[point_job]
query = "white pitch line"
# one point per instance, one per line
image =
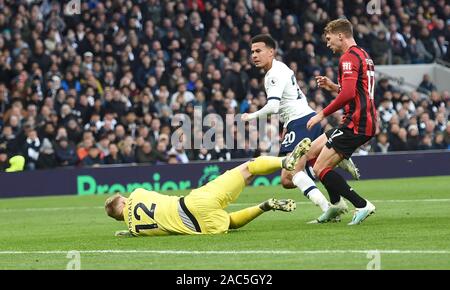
(31, 209)
(249, 252)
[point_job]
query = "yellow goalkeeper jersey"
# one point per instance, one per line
(148, 213)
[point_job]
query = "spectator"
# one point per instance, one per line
(69, 82)
(114, 157)
(162, 107)
(47, 158)
(65, 153)
(32, 149)
(144, 153)
(382, 145)
(426, 86)
(186, 96)
(426, 143)
(427, 45)
(435, 107)
(93, 159)
(413, 138)
(161, 152)
(386, 111)
(84, 146)
(103, 146)
(416, 51)
(379, 48)
(397, 43)
(439, 142)
(154, 130)
(236, 80)
(8, 139)
(398, 138)
(128, 154)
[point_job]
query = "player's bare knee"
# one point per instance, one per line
(317, 169)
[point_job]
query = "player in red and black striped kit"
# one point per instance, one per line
(355, 96)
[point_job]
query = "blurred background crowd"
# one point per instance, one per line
(102, 86)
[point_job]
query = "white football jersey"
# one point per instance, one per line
(280, 84)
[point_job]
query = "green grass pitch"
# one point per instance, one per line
(411, 230)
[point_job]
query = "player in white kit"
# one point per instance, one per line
(285, 97)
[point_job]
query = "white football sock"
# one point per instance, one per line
(309, 189)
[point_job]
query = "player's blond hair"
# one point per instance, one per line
(340, 25)
(111, 207)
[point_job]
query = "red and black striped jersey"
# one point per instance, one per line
(356, 68)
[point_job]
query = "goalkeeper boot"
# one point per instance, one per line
(300, 149)
(280, 204)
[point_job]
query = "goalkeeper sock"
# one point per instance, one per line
(241, 218)
(309, 189)
(265, 165)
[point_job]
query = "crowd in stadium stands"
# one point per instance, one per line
(101, 87)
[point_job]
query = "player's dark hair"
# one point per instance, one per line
(266, 38)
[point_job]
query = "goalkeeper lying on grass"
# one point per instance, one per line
(148, 213)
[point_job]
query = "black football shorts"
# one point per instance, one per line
(345, 141)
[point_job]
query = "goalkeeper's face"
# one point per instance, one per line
(262, 55)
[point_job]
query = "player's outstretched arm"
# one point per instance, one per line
(272, 107)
